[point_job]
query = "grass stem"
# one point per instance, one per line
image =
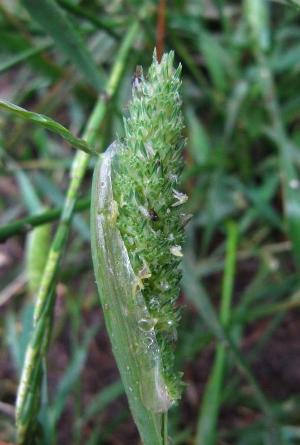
(27, 404)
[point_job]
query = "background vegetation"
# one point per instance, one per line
(238, 343)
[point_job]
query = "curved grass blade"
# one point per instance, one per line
(56, 23)
(48, 123)
(23, 55)
(135, 350)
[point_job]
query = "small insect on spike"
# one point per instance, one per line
(153, 215)
(138, 77)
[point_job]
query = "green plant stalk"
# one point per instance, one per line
(28, 392)
(28, 223)
(137, 229)
(206, 429)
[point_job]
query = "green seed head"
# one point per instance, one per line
(150, 218)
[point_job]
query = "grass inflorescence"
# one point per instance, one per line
(150, 216)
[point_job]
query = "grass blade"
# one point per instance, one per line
(101, 401)
(48, 123)
(206, 432)
(23, 55)
(53, 194)
(72, 373)
(55, 22)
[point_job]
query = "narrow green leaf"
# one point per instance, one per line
(291, 187)
(23, 55)
(106, 24)
(101, 401)
(257, 13)
(206, 431)
(27, 191)
(48, 123)
(18, 340)
(234, 104)
(55, 22)
(217, 59)
(199, 141)
(53, 194)
(72, 373)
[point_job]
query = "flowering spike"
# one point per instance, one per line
(137, 237)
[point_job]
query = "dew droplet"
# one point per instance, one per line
(145, 325)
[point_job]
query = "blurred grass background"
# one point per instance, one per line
(241, 83)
